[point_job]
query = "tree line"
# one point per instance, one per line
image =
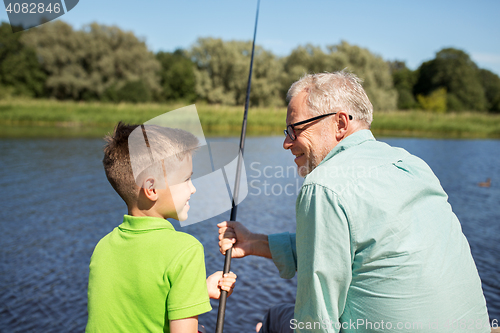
(105, 63)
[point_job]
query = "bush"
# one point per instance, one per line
(435, 101)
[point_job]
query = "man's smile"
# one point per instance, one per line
(297, 155)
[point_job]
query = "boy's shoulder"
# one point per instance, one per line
(185, 240)
(150, 233)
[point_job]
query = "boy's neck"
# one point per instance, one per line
(135, 211)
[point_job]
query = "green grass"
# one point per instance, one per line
(48, 118)
(437, 125)
(42, 118)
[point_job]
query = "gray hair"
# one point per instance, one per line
(333, 92)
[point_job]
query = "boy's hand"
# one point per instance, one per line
(244, 242)
(216, 282)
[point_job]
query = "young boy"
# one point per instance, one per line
(144, 275)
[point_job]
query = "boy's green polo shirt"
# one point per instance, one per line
(143, 274)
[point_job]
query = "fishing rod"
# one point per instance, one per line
(227, 261)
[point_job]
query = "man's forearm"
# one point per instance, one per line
(260, 246)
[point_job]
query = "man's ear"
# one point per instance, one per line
(342, 125)
(149, 188)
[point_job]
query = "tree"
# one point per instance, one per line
(222, 72)
(372, 69)
(377, 79)
(306, 60)
(453, 70)
(177, 76)
(491, 85)
(93, 63)
(404, 79)
(20, 72)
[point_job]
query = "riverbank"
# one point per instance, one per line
(49, 118)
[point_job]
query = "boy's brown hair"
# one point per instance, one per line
(163, 141)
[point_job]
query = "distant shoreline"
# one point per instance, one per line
(31, 118)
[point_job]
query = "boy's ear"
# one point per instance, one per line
(149, 188)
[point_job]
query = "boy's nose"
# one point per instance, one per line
(193, 189)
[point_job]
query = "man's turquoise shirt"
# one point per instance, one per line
(378, 248)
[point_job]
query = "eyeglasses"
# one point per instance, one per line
(290, 128)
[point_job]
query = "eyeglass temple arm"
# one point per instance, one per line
(311, 119)
(315, 118)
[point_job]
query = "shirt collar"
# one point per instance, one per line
(352, 140)
(140, 223)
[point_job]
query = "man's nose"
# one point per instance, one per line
(288, 143)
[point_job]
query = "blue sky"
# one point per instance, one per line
(411, 31)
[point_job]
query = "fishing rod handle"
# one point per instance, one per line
(223, 295)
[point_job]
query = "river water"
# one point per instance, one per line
(55, 205)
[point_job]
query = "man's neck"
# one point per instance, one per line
(355, 127)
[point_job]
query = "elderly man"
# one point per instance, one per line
(377, 246)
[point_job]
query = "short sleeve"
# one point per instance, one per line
(188, 295)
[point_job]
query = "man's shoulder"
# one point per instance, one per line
(354, 164)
